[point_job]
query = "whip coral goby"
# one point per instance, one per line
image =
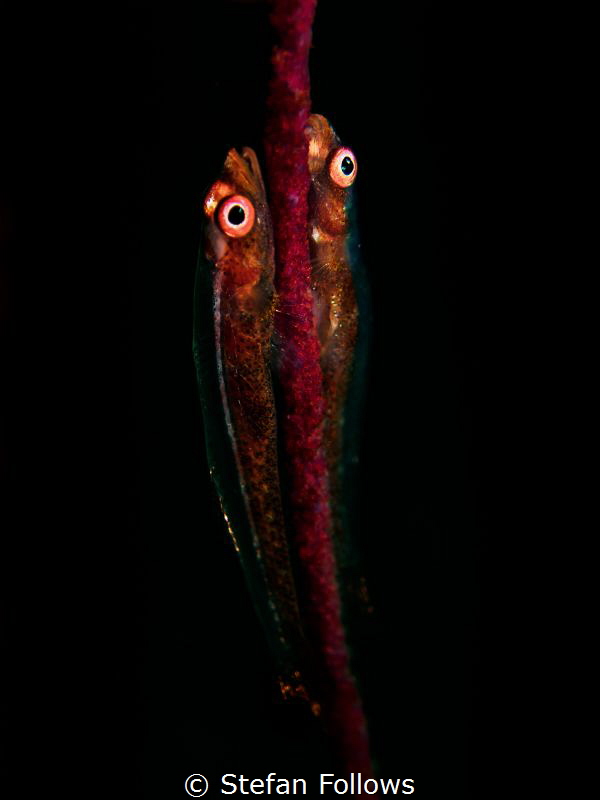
(342, 315)
(233, 323)
(333, 170)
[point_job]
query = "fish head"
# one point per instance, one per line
(332, 169)
(238, 231)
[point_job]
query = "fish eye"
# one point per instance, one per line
(236, 216)
(342, 167)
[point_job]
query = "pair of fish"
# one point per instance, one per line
(235, 307)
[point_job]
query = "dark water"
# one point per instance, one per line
(134, 655)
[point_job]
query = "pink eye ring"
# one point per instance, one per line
(342, 167)
(236, 216)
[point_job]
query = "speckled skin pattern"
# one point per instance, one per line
(335, 304)
(244, 305)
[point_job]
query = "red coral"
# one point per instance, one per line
(300, 373)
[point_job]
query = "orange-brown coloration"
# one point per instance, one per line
(336, 309)
(295, 690)
(244, 304)
(217, 192)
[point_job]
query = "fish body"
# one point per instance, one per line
(233, 328)
(341, 318)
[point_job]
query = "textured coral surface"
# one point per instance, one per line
(301, 376)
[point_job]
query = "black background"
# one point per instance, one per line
(134, 654)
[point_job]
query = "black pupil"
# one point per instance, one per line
(236, 215)
(347, 166)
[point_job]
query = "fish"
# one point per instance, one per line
(234, 308)
(342, 320)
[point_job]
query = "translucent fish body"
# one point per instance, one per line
(233, 327)
(342, 312)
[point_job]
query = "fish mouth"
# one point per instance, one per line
(251, 159)
(321, 139)
(243, 172)
(240, 175)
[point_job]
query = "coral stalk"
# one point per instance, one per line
(301, 379)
